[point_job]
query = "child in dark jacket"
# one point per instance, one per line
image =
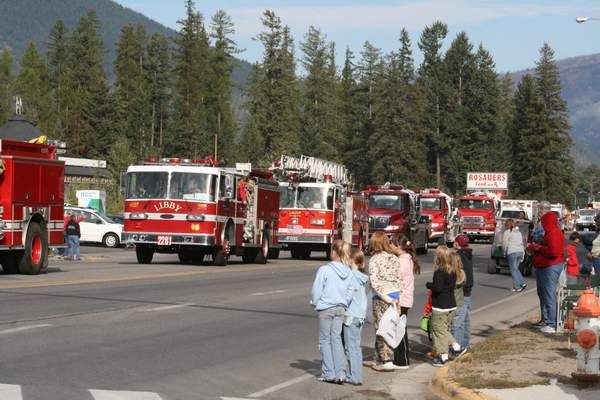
(461, 324)
(444, 306)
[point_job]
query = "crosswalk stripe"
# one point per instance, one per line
(10, 392)
(122, 395)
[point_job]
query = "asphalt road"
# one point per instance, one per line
(107, 328)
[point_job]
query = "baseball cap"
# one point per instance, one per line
(462, 240)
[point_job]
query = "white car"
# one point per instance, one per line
(96, 227)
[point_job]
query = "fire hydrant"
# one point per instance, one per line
(588, 333)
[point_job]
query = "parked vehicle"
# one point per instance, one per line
(196, 208)
(395, 211)
(95, 226)
(561, 211)
(317, 207)
(438, 206)
(585, 219)
(519, 209)
(31, 205)
(477, 212)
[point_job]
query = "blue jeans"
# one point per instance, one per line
(330, 343)
(547, 280)
(596, 265)
(73, 250)
(461, 323)
(352, 338)
(514, 259)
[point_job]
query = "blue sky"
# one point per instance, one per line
(512, 30)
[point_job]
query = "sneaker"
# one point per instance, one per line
(519, 289)
(396, 366)
(515, 290)
(349, 382)
(539, 324)
(438, 362)
(548, 329)
(329, 380)
(386, 367)
(458, 353)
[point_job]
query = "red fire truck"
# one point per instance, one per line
(317, 206)
(438, 205)
(195, 208)
(477, 212)
(31, 205)
(395, 211)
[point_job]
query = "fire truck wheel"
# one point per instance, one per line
(263, 253)
(10, 261)
(305, 253)
(110, 240)
(144, 254)
(295, 252)
(36, 250)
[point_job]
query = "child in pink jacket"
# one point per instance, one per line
(409, 266)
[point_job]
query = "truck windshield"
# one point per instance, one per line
(287, 196)
(386, 201)
(147, 185)
(319, 198)
(192, 186)
(431, 203)
(514, 214)
(476, 204)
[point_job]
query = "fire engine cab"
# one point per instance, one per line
(395, 211)
(317, 206)
(195, 208)
(31, 205)
(438, 205)
(477, 212)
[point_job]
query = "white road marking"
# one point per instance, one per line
(269, 292)
(280, 386)
(10, 392)
(164, 308)
(123, 395)
(501, 301)
(23, 328)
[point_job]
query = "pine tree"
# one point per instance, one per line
(432, 86)
(558, 141)
(272, 98)
(349, 115)
(506, 115)
(529, 164)
(320, 134)
(221, 118)
(33, 86)
(158, 72)
(89, 130)
(396, 149)
(6, 82)
(131, 88)
(58, 59)
(189, 135)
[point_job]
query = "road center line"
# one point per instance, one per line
(10, 392)
(501, 301)
(269, 292)
(23, 328)
(164, 308)
(282, 385)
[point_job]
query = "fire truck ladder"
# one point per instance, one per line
(315, 168)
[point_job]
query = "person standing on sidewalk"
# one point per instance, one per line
(444, 304)
(73, 234)
(548, 261)
(386, 282)
(409, 266)
(332, 292)
(461, 324)
(594, 254)
(514, 249)
(355, 319)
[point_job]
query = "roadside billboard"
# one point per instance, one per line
(487, 181)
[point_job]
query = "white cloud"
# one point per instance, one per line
(413, 15)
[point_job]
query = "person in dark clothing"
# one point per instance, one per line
(461, 323)
(73, 233)
(444, 305)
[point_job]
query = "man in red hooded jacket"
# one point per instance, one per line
(548, 260)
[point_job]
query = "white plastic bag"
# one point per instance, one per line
(392, 326)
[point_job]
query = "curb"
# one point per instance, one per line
(444, 387)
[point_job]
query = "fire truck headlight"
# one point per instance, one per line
(437, 225)
(587, 339)
(315, 221)
(392, 227)
(490, 225)
(138, 215)
(195, 217)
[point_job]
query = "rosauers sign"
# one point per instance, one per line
(487, 180)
